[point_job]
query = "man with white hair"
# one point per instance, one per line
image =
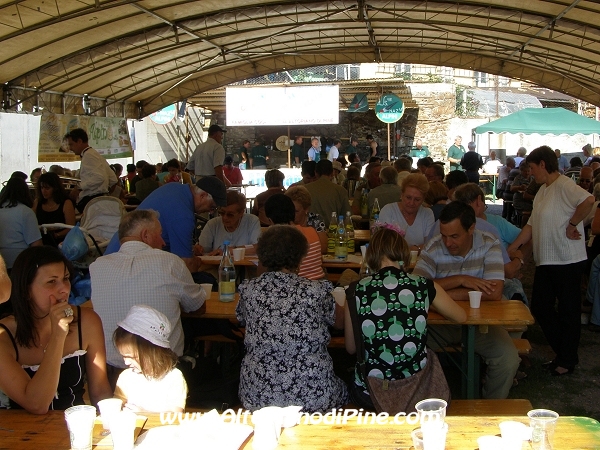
(455, 153)
(471, 162)
(141, 273)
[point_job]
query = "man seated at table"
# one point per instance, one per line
(141, 273)
(233, 225)
(327, 196)
(274, 181)
(461, 259)
(388, 191)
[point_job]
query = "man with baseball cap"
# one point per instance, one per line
(177, 203)
(208, 157)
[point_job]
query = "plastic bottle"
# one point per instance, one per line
(350, 232)
(226, 276)
(364, 204)
(332, 234)
(374, 213)
(341, 245)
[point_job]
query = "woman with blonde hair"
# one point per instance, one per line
(409, 213)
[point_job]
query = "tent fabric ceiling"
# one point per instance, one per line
(156, 52)
(542, 121)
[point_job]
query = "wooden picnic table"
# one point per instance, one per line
(24, 431)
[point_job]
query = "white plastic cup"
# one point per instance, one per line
(267, 427)
(340, 296)
(475, 299)
(108, 408)
(207, 288)
(513, 434)
(122, 430)
(543, 423)
(435, 438)
(414, 254)
(239, 253)
(80, 421)
(417, 439)
(490, 443)
(432, 412)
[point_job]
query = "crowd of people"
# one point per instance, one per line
(132, 343)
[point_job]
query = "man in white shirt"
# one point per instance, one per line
(334, 151)
(141, 273)
(96, 175)
(208, 157)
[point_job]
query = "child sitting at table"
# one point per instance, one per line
(152, 383)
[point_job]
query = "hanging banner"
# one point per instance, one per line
(389, 108)
(108, 135)
(359, 103)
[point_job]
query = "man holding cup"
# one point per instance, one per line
(463, 259)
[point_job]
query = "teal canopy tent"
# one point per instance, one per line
(542, 121)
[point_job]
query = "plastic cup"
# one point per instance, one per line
(542, 423)
(490, 443)
(267, 427)
(340, 296)
(108, 408)
(122, 430)
(239, 253)
(435, 438)
(207, 288)
(414, 254)
(417, 439)
(513, 434)
(432, 412)
(80, 421)
(475, 299)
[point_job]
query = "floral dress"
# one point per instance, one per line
(392, 311)
(286, 361)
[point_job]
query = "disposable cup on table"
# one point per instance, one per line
(207, 288)
(339, 294)
(432, 412)
(122, 430)
(513, 434)
(239, 253)
(490, 443)
(543, 424)
(80, 421)
(417, 439)
(434, 438)
(109, 407)
(267, 427)
(475, 299)
(414, 254)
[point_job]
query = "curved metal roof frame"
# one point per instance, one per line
(156, 52)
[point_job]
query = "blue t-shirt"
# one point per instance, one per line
(175, 205)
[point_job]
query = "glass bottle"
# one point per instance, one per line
(350, 233)
(341, 245)
(374, 213)
(364, 204)
(226, 276)
(332, 234)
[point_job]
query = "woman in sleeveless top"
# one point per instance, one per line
(52, 204)
(47, 348)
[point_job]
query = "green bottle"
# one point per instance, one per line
(332, 234)
(350, 233)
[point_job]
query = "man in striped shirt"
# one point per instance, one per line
(462, 259)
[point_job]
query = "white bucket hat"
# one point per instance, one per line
(148, 323)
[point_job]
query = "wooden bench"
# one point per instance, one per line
(481, 407)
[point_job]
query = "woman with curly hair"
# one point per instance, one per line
(409, 213)
(286, 319)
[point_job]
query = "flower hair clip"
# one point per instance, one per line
(390, 226)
